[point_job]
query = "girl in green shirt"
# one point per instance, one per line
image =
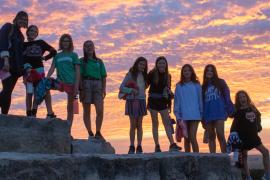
(92, 87)
(67, 65)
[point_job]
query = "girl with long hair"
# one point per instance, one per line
(67, 65)
(134, 85)
(92, 87)
(188, 105)
(247, 123)
(217, 106)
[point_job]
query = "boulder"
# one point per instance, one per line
(92, 146)
(33, 135)
(165, 166)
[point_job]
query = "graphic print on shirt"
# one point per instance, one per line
(33, 51)
(211, 94)
(251, 116)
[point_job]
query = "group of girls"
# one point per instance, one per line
(209, 103)
(85, 76)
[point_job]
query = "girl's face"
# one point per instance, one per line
(32, 33)
(66, 43)
(22, 22)
(89, 47)
(187, 73)
(161, 66)
(141, 66)
(209, 72)
(243, 100)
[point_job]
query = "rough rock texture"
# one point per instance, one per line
(92, 146)
(32, 135)
(165, 166)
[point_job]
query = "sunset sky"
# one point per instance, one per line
(233, 34)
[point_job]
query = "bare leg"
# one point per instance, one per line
(187, 145)
(167, 124)
(132, 130)
(87, 116)
(154, 117)
(244, 157)
(212, 137)
(265, 154)
(28, 101)
(48, 102)
(219, 125)
(99, 115)
(139, 130)
(192, 133)
(70, 109)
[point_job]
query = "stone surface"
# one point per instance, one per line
(92, 146)
(165, 166)
(32, 135)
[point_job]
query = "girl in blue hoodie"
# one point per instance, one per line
(217, 106)
(188, 105)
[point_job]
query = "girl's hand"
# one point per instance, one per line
(104, 94)
(6, 66)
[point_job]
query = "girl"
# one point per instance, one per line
(217, 106)
(188, 105)
(159, 80)
(11, 57)
(134, 84)
(33, 52)
(247, 123)
(93, 87)
(67, 66)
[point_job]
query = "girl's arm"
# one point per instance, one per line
(123, 87)
(51, 70)
(4, 44)
(177, 103)
(235, 124)
(50, 49)
(104, 86)
(228, 102)
(200, 101)
(77, 78)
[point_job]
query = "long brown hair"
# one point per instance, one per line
(19, 15)
(85, 56)
(71, 47)
(215, 80)
(249, 101)
(134, 69)
(194, 77)
(155, 72)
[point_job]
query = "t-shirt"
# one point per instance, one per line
(33, 52)
(65, 66)
(93, 68)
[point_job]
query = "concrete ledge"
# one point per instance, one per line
(166, 166)
(32, 135)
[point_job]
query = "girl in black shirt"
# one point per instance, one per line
(33, 54)
(247, 123)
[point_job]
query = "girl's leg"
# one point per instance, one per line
(167, 124)
(211, 136)
(99, 115)
(219, 125)
(187, 144)
(154, 117)
(132, 130)
(244, 158)
(87, 117)
(139, 130)
(70, 108)
(48, 102)
(29, 104)
(265, 154)
(192, 133)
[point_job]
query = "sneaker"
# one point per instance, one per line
(174, 147)
(157, 148)
(99, 136)
(51, 116)
(90, 135)
(248, 178)
(34, 112)
(139, 150)
(131, 150)
(29, 113)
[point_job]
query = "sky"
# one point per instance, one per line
(234, 35)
